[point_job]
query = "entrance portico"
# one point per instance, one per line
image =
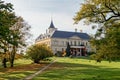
(78, 50)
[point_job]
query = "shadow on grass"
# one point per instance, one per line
(73, 71)
(21, 71)
(15, 75)
(89, 58)
(69, 71)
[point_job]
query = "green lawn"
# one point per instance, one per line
(64, 69)
(21, 69)
(14, 73)
(81, 69)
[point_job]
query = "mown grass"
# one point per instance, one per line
(64, 69)
(81, 69)
(22, 68)
(18, 62)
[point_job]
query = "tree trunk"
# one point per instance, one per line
(4, 63)
(36, 61)
(12, 57)
(12, 63)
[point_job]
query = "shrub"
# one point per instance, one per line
(60, 53)
(39, 52)
(90, 53)
(96, 57)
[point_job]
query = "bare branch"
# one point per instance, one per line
(103, 16)
(110, 8)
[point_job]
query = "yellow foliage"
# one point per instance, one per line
(63, 53)
(7, 55)
(17, 56)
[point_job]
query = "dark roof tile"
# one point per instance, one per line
(65, 34)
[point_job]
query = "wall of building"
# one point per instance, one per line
(46, 41)
(60, 44)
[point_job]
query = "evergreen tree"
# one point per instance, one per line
(68, 52)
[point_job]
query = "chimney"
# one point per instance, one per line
(81, 31)
(75, 29)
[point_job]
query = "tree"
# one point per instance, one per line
(106, 13)
(39, 52)
(109, 49)
(98, 11)
(19, 33)
(68, 52)
(6, 20)
(13, 32)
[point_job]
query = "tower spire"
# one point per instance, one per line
(51, 25)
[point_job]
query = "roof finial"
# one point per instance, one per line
(75, 29)
(51, 17)
(52, 25)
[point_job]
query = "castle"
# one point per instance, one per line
(57, 40)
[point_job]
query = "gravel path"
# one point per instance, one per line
(38, 72)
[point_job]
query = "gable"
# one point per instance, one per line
(75, 37)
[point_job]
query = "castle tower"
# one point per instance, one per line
(52, 27)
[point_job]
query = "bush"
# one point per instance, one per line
(90, 53)
(58, 54)
(96, 57)
(39, 52)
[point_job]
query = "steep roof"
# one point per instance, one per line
(66, 34)
(51, 25)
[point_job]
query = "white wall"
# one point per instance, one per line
(58, 44)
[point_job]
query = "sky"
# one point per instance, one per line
(38, 14)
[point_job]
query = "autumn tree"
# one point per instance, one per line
(19, 33)
(106, 13)
(13, 31)
(6, 20)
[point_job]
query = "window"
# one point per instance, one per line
(62, 42)
(75, 43)
(79, 43)
(82, 43)
(66, 42)
(86, 43)
(55, 42)
(62, 49)
(55, 49)
(71, 42)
